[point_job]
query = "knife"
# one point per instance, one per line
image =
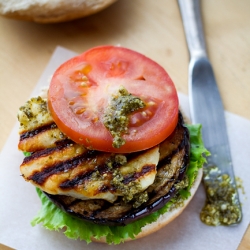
(206, 108)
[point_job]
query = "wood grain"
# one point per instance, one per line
(4, 247)
(154, 29)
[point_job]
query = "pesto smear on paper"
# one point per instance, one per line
(221, 207)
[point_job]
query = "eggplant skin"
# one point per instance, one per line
(174, 159)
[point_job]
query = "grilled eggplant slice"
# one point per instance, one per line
(174, 158)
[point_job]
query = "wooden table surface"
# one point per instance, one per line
(153, 28)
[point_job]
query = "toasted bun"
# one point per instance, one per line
(166, 218)
(51, 11)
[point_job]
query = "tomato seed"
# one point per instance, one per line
(85, 78)
(95, 119)
(80, 111)
(151, 103)
(83, 84)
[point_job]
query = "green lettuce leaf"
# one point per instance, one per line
(54, 218)
(26, 154)
(198, 152)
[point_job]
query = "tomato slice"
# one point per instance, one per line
(81, 89)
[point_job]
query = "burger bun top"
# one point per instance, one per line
(47, 11)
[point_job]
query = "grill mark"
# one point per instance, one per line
(137, 175)
(36, 155)
(103, 169)
(40, 177)
(103, 189)
(133, 155)
(34, 132)
(78, 180)
(64, 142)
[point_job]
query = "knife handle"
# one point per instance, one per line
(191, 16)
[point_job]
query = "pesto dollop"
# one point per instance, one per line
(116, 117)
(179, 199)
(221, 207)
(131, 191)
(31, 111)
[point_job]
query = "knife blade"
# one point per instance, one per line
(206, 108)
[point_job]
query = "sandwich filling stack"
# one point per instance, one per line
(108, 149)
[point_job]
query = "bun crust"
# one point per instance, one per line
(46, 11)
(167, 217)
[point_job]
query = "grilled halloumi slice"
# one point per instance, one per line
(37, 129)
(59, 166)
(70, 169)
(34, 113)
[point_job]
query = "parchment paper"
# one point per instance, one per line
(19, 202)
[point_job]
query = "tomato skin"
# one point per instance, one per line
(81, 87)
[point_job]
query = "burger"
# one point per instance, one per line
(108, 149)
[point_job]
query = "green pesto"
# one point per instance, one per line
(239, 184)
(120, 159)
(96, 176)
(220, 207)
(182, 184)
(116, 117)
(140, 198)
(178, 198)
(130, 191)
(31, 110)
